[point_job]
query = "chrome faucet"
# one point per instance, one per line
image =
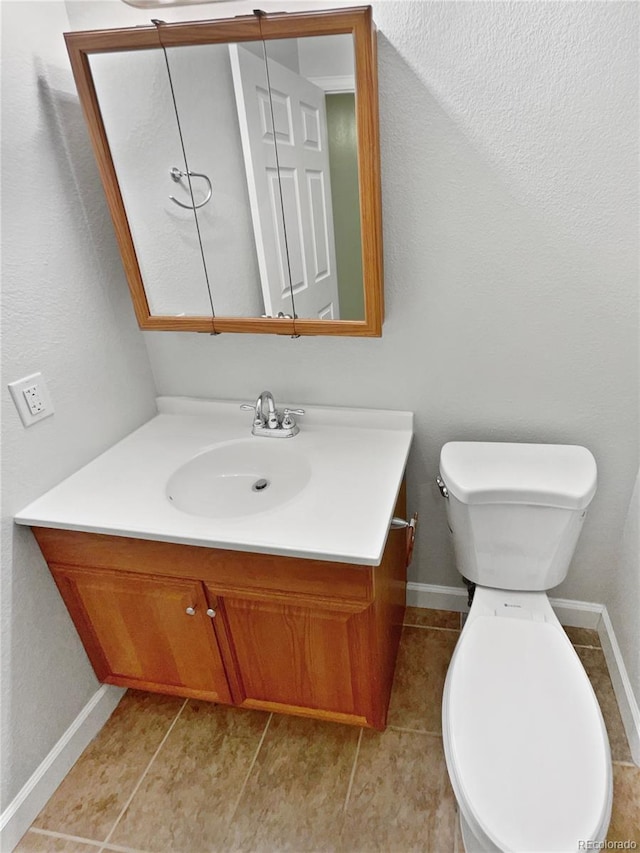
(271, 418)
(272, 424)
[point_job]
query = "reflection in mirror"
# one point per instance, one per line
(134, 95)
(246, 266)
(198, 184)
(312, 86)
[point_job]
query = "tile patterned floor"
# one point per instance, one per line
(167, 775)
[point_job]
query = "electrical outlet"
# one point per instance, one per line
(31, 398)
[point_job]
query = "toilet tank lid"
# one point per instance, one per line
(556, 475)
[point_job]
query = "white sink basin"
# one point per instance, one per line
(239, 478)
(186, 476)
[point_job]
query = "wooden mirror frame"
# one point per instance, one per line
(355, 21)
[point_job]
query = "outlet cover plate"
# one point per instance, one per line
(29, 383)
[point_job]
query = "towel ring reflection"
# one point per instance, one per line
(177, 175)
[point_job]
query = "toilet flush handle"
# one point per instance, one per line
(410, 526)
(444, 491)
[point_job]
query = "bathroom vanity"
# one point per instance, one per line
(294, 606)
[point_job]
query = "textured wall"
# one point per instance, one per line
(65, 312)
(509, 168)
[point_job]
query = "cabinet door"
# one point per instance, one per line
(304, 658)
(140, 631)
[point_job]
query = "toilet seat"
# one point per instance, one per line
(525, 743)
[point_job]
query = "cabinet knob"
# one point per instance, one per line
(211, 612)
(191, 611)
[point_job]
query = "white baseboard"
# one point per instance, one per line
(437, 597)
(577, 614)
(627, 703)
(16, 819)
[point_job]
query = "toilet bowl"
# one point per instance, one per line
(524, 739)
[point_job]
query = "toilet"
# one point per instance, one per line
(524, 739)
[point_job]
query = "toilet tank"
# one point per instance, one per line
(516, 510)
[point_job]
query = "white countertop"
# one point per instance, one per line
(357, 459)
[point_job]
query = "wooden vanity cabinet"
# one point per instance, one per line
(283, 634)
(304, 656)
(140, 631)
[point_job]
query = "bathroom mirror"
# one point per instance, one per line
(240, 160)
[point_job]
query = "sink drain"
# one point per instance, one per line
(260, 485)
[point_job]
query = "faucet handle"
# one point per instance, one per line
(288, 422)
(257, 415)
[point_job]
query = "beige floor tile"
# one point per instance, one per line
(596, 667)
(401, 799)
(187, 798)
(583, 636)
(295, 795)
(35, 842)
(625, 817)
(93, 793)
(427, 618)
(423, 660)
